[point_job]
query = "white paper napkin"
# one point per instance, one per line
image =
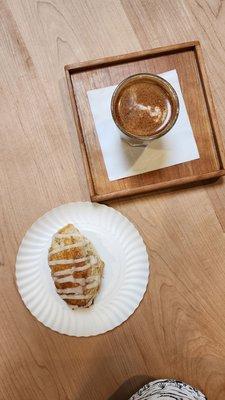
(122, 160)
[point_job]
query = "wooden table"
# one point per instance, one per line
(179, 329)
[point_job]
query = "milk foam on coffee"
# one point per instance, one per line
(143, 107)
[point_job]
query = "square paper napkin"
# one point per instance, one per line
(122, 160)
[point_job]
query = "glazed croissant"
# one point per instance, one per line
(76, 267)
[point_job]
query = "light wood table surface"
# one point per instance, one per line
(179, 329)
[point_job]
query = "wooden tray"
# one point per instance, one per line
(187, 59)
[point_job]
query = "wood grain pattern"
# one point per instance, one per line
(178, 331)
(188, 61)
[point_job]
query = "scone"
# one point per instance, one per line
(76, 267)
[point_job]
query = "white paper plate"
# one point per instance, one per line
(125, 275)
(168, 389)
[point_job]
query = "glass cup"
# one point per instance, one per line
(144, 107)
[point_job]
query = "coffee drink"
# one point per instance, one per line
(144, 105)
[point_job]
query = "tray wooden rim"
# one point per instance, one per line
(135, 56)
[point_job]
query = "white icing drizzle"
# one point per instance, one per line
(70, 279)
(70, 261)
(76, 290)
(92, 285)
(83, 268)
(92, 282)
(67, 272)
(58, 262)
(76, 296)
(93, 260)
(67, 235)
(92, 278)
(71, 270)
(81, 281)
(67, 247)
